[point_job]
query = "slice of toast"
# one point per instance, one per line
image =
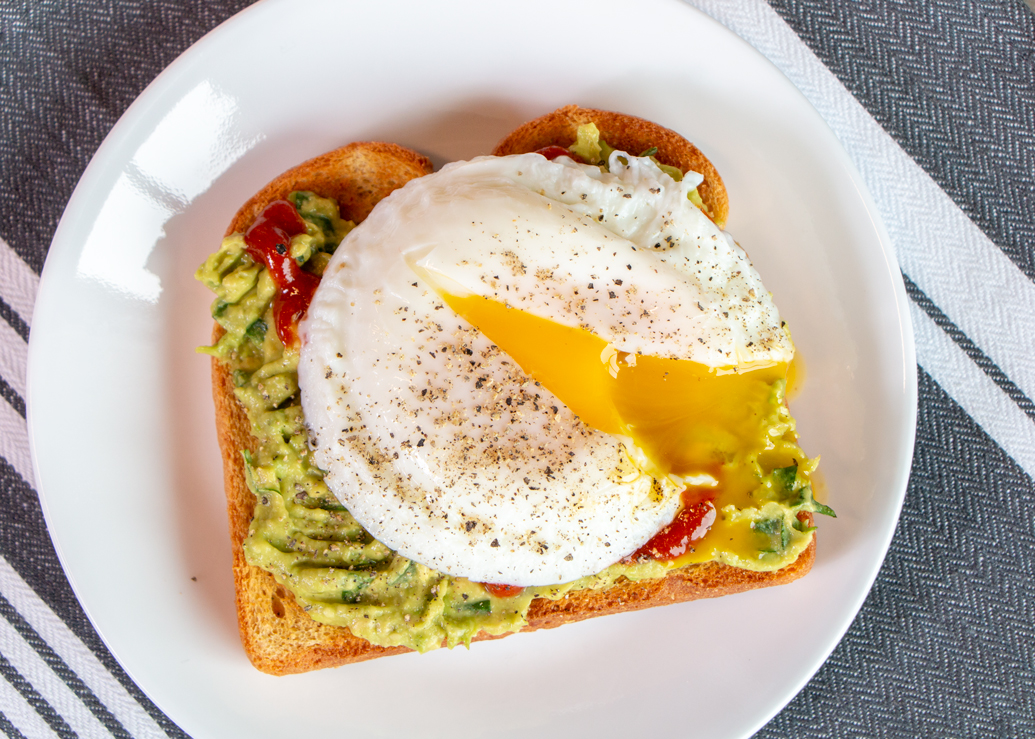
(278, 636)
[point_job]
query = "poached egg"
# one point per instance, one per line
(513, 367)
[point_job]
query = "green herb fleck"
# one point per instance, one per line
(475, 607)
(257, 330)
(776, 530)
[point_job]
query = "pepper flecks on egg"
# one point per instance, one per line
(476, 430)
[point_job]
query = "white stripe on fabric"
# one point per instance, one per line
(18, 283)
(966, 275)
(77, 655)
(52, 689)
(974, 390)
(14, 353)
(14, 442)
(22, 715)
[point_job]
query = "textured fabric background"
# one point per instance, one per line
(935, 102)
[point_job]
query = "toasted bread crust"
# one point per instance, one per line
(358, 176)
(625, 132)
(278, 636)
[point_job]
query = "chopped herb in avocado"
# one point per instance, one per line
(777, 537)
(324, 228)
(473, 607)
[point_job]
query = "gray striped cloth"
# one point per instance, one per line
(934, 101)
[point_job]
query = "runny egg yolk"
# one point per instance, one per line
(687, 419)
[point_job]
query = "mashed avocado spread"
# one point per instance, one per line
(340, 575)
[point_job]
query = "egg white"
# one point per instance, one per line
(437, 442)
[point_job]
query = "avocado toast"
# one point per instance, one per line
(278, 630)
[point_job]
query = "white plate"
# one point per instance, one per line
(121, 415)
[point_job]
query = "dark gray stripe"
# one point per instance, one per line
(11, 316)
(21, 521)
(62, 670)
(971, 349)
(944, 645)
(34, 699)
(953, 81)
(8, 393)
(10, 729)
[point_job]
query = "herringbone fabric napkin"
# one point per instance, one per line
(934, 100)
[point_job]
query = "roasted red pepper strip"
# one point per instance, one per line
(689, 525)
(552, 152)
(501, 591)
(269, 242)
